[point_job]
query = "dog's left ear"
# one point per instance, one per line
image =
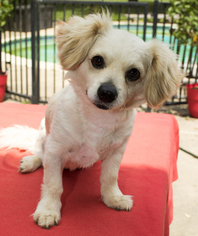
(163, 75)
(77, 36)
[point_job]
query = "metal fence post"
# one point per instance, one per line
(35, 52)
(155, 14)
(145, 21)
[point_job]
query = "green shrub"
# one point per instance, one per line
(6, 8)
(187, 23)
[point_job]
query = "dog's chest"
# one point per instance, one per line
(94, 144)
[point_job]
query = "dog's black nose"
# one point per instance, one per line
(107, 92)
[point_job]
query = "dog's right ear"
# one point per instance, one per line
(77, 36)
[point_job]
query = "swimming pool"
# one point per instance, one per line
(48, 47)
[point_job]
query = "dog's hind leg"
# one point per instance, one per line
(30, 164)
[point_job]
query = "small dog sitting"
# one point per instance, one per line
(110, 73)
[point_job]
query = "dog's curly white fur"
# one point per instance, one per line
(110, 73)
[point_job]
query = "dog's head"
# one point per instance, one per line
(114, 68)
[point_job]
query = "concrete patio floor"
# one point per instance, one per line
(185, 189)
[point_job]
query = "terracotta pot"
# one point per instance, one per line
(3, 80)
(192, 94)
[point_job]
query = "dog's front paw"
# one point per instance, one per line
(119, 202)
(46, 216)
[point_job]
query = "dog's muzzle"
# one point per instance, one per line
(107, 93)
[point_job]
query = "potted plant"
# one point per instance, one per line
(187, 34)
(3, 80)
(6, 8)
(192, 93)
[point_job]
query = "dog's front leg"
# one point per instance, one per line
(48, 210)
(111, 194)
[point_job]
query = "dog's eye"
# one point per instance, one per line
(97, 62)
(133, 75)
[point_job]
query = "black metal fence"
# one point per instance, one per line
(29, 50)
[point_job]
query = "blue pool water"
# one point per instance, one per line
(48, 48)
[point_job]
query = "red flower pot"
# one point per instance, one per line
(3, 80)
(192, 93)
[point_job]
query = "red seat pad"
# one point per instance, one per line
(147, 171)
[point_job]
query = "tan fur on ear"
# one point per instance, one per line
(77, 36)
(163, 76)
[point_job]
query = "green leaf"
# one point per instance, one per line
(187, 24)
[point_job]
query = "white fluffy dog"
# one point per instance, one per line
(111, 72)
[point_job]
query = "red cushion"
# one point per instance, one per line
(147, 172)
